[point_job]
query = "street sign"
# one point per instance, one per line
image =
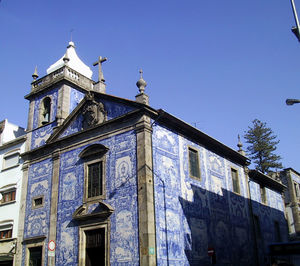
(51, 253)
(51, 245)
(210, 251)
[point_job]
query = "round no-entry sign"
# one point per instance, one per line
(51, 245)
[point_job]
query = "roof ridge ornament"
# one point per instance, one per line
(240, 146)
(141, 83)
(142, 97)
(35, 74)
(66, 58)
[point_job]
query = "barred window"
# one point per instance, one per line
(94, 160)
(194, 166)
(235, 181)
(95, 179)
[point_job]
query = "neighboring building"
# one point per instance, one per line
(291, 179)
(12, 144)
(110, 181)
(268, 212)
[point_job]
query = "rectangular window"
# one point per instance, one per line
(11, 160)
(4, 234)
(257, 227)
(35, 256)
(297, 192)
(194, 166)
(8, 196)
(235, 181)
(263, 194)
(95, 180)
(277, 232)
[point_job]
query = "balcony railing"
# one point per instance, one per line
(62, 73)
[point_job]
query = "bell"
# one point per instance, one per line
(46, 119)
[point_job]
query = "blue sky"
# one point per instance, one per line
(215, 64)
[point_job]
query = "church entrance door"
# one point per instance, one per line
(95, 247)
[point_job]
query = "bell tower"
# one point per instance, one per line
(53, 97)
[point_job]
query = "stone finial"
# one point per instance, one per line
(240, 146)
(66, 58)
(141, 83)
(142, 97)
(71, 44)
(35, 74)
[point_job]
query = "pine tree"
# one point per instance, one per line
(261, 146)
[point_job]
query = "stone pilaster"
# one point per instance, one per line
(54, 201)
(294, 202)
(22, 211)
(142, 98)
(100, 86)
(30, 116)
(147, 236)
(63, 106)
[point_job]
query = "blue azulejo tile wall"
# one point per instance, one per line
(121, 194)
(40, 135)
(76, 97)
(39, 185)
(113, 110)
(195, 214)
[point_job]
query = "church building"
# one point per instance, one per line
(112, 181)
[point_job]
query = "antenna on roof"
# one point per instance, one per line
(71, 34)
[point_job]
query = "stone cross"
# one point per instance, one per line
(99, 63)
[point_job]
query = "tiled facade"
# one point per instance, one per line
(152, 211)
(194, 215)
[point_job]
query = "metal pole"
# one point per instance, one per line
(295, 14)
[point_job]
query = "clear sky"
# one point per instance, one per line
(214, 64)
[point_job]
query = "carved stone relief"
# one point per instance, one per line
(93, 114)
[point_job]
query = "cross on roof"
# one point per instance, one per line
(99, 63)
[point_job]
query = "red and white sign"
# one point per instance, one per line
(51, 245)
(210, 252)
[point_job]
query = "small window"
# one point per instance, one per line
(35, 256)
(277, 231)
(235, 181)
(8, 196)
(11, 160)
(95, 179)
(4, 234)
(38, 202)
(263, 195)
(194, 167)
